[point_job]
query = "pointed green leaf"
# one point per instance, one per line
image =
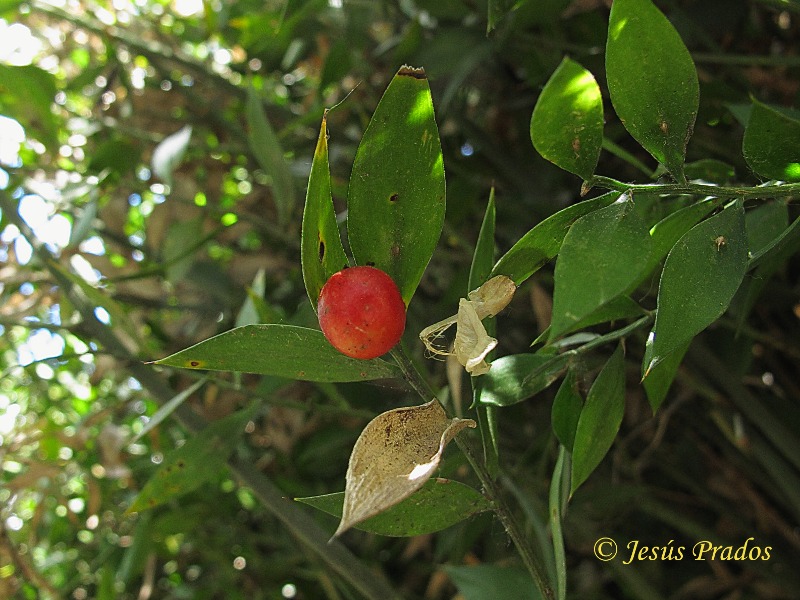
(439, 504)
(282, 350)
(768, 253)
(268, 153)
(396, 198)
(764, 224)
(567, 121)
(652, 81)
(660, 378)
(772, 143)
(566, 410)
(671, 228)
(600, 419)
(199, 460)
(621, 307)
(510, 379)
(169, 153)
(322, 253)
(701, 274)
(542, 243)
(28, 93)
(483, 257)
(602, 256)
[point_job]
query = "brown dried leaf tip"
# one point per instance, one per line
(472, 343)
(394, 456)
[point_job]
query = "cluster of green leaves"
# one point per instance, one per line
(180, 143)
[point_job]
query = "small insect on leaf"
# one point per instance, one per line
(720, 241)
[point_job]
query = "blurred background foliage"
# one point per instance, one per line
(143, 210)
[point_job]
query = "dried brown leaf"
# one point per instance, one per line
(394, 456)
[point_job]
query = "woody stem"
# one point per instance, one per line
(490, 486)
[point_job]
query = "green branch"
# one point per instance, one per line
(775, 190)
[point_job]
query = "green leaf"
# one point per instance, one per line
(439, 504)
(282, 350)
(671, 228)
(268, 153)
(396, 200)
(701, 275)
(660, 378)
(769, 254)
(567, 121)
(322, 253)
(558, 498)
(542, 243)
(652, 81)
(602, 256)
(710, 170)
(566, 410)
(28, 92)
(600, 419)
(199, 460)
(621, 307)
(509, 381)
(771, 144)
(482, 582)
(483, 257)
(764, 224)
(169, 153)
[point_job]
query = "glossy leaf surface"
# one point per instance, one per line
(701, 275)
(772, 143)
(282, 350)
(321, 252)
(603, 254)
(652, 81)
(566, 410)
(600, 419)
(437, 505)
(542, 243)
(567, 121)
(517, 377)
(396, 199)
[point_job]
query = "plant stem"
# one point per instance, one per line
(782, 190)
(490, 486)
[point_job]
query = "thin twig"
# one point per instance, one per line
(490, 485)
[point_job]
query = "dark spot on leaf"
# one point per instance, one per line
(363, 374)
(301, 373)
(370, 263)
(181, 464)
(321, 250)
(394, 197)
(194, 363)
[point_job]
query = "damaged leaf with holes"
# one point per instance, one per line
(394, 456)
(321, 251)
(396, 198)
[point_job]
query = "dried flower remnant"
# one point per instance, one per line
(472, 342)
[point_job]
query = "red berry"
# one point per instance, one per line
(361, 312)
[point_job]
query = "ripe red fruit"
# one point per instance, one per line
(361, 312)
